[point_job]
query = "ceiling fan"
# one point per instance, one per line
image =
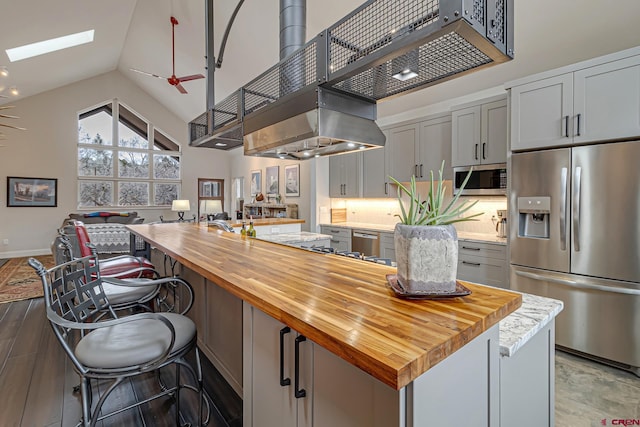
(173, 80)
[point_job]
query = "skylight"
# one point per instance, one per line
(51, 45)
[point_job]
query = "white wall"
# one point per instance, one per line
(242, 165)
(48, 149)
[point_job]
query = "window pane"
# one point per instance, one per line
(133, 165)
(132, 130)
(95, 127)
(166, 167)
(163, 142)
(133, 194)
(95, 193)
(93, 162)
(165, 193)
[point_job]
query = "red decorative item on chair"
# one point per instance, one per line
(120, 267)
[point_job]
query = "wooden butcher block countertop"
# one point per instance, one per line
(341, 304)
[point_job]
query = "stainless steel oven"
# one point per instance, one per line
(485, 180)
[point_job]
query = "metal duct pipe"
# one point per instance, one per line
(293, 31)
(293, 26)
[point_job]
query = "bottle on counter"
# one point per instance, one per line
(252, 231)
(243, 230)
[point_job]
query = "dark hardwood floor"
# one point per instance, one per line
(37, 380)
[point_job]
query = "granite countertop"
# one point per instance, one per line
(462, 235)
(300, 237)
(521, 325)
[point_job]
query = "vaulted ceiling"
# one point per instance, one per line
(137, 34)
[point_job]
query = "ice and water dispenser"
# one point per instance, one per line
(533, 217)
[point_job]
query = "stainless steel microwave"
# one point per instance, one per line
(485, 180)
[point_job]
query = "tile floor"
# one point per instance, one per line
(591, 394)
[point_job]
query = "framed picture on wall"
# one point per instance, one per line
(272, 186)
(32, 192)
(256, 182)
(292, 181)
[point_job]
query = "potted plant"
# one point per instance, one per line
(425, 240)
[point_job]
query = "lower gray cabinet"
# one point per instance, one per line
(340, 237)
(484, 263)
(387, 246)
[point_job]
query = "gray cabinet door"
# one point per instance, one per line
(434, 147)
(351, 174)
(541, 112)
(374, 173)
(493, 137)
(465, 136)
(402, 147)
(335, 177)
(607, 101)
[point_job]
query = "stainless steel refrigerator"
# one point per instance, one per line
(575, 236)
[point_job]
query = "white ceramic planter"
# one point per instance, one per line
(427, 258)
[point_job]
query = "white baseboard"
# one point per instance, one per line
(19, 254)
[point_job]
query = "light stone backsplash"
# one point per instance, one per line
(383, 211)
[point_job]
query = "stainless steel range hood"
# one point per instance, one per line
(321, 99)
(314, 123)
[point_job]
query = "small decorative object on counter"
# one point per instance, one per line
(243, 230)
(426, 243)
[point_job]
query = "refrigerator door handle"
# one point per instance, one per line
(563, 209)
(576, 208)
(579, 285)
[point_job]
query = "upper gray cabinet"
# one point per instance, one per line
(417, 148)
(591, 101)
(344, 175)
(479, 133)
(375, 181)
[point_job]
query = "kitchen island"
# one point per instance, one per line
(363, 356)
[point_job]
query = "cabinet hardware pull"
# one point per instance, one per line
(421, 171)
(335, 241)
(477, 264)
(386, 188)
(283, 381)
(471, 249)
(475, 155)
(566, 126)
(298, 392)
(484, 144)
(335, 231)
(415, 170)
(578, 132)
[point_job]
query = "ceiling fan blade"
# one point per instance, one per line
(148, 74)
(6, 107)
(191, 77)
(180, 88)
(6, 116)
(3, 96)
(12, 127)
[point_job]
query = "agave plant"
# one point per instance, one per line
(433, 211)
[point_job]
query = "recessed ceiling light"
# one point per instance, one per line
(220, 144)
(362, 147)
(306, 154)
(351, 145)
(51, 45)
(14, 91)
(4, 72)
(405, 74)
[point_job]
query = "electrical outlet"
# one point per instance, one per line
(5, 242)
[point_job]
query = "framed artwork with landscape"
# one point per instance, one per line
(32, 192)
(256, 182)
(272, 186)
(292, 181)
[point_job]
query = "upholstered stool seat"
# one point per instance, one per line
(134, 343)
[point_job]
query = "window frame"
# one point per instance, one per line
(165, 141)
